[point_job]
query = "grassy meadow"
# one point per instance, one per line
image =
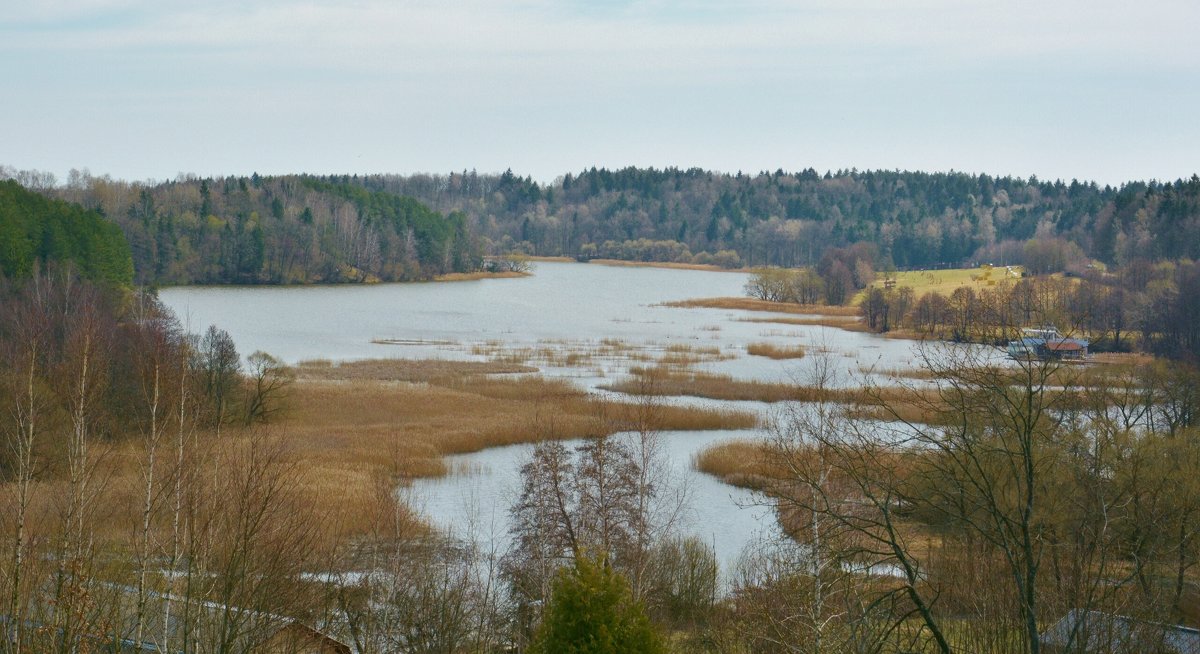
(944, 282)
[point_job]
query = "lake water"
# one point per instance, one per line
(473, 503)
(562, 305)
(565, 306)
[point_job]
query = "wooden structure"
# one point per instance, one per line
(1097, 632)
(1048, 345)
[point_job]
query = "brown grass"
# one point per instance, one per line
(404, 429)
(408, 370)
(740, 463)
(751, 304)
(848, 323)
(1123, 358)
(354, 431)
(885, 403)
(361, 431)
(772, 351)
(664, 264)
(480, 274)
(584, 354)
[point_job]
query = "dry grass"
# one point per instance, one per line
(356, 430)
(480, 274)
(848, 323)
(408, 370)
(751, 304)
(885, 403)
(944, 282)
(772, 351)
(664, 264)
(742, 463)
(1122, 358)
(404, 429)
(587, 354)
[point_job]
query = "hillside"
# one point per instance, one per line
(36, 231)
(914, 219)
(282, 230)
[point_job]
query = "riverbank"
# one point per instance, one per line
(480, 274)
(621, 263)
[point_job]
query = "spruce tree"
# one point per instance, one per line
(591, 611)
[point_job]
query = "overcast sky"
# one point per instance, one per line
(1089, 89)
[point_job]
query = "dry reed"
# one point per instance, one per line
(751, 304)
(740, 463)
(480, 274)
(664, 264)
(772, 351)
(882, 403)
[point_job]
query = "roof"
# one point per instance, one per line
(1102, 632)
(1065, 346)
(1052, 344)
(166, 625)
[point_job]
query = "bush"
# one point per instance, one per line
(591, 611)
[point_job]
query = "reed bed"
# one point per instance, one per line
(480, 274)
(587, 354)
(743, 463)
(751, 304)
(847, 323)
(881, 403)
(664, 264)
(772, 351)
(353, 437)
(403, 370)
(405, 429)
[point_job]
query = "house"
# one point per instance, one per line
(1047, 344)
(1097, 632)
(296, 638)
(171, 624)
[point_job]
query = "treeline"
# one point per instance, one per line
(36, 231)
(280, 230)
(914, 219)
(1146, 307)
(647, 250)
(297, 229)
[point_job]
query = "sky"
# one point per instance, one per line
(147, 89)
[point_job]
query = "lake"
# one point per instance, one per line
(563, 306)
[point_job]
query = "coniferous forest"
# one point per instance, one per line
(303, 229)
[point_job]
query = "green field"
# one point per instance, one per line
(945, 281)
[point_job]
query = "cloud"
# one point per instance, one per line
(672, 35)
(556, 85)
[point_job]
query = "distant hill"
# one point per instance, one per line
(278, 230)
(306, 229)
(913, 219)
(35, 230)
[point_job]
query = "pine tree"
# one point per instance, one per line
(591, 611)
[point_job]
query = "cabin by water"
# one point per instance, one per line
(1047, 344)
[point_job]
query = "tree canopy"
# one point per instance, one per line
(36, 231)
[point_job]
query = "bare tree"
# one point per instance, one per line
(269, 380)
(29, 325)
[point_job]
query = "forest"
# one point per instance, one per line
(35, 230)
(914, 219)
(303, 229)
(256, 230)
